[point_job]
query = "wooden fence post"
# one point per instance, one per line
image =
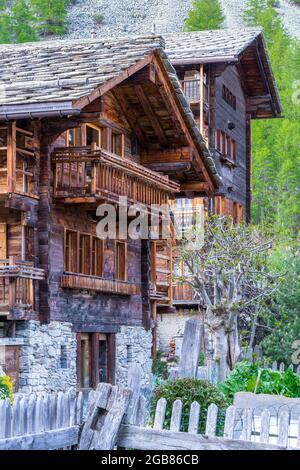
(190, 351)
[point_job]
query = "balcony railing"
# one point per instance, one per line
(184, 294)
(191, 89)
(82, 281)
(82, 172)
(17, 280)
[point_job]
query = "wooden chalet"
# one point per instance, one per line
(84, 122)
(227, 79)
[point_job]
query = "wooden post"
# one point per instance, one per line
(191, 345)
(11, 157)
(201, 95)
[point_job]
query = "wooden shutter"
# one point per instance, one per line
(3, 249)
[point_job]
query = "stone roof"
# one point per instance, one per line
(61, 72)
(52, 71)
(222, 43)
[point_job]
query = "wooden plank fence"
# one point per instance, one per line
(108, 426)
(41, 422)
(117, 416)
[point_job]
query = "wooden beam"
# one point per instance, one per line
(110, 84)
(130, 116)
(148, 110)
(171, 167)
(181, 154)
(195, 186)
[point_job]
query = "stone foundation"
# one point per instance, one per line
(133, 345)
(47, 357)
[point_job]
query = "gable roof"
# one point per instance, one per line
(52, 71)
(229, 46)
(225, 44)
(54, 78)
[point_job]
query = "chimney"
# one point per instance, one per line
(93, 33)
(153, 29)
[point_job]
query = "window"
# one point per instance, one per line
(225, 145)
(229, 97)
(3, 241)
(84, 254)
(121, 261)
(63, 362)
(95, 359)
(129, 353)
(117, 143)
(97, 257)
(73, 137)
(85, 360)
(71, 251)
(93, 135)
(238, 213)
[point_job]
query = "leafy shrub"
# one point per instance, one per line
(295, 2)
(247, 377)
(160, 367)
(6, 388)
(188, 391)
(98, 19)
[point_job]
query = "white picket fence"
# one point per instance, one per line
(262, 427)
(281, 367)
(49, 421)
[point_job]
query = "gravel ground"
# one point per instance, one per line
(123, 17)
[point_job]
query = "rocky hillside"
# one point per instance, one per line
(121, 17)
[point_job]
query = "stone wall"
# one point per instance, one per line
(170, 325)
(47, 357)
(46, 367)
(133, 344)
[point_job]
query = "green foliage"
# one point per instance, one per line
(295, 2)
(22, 22)
(205, 15)
(188, 390)
(247, 377)
(28, 20)
(50, 15)
(98, 19)
(160, 367)
(276, 152)
(6, 388)
(283, 315)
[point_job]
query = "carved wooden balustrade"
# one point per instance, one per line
(17, 280)
(83, 174)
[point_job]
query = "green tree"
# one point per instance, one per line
(22, 22)
(4, 22)
(205, 15)
(50, 15)
(283, 315)
(276, 151)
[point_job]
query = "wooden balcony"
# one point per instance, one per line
(17, 284)
(191, 89)
(183, 295)
(83, 174)
(98, 284)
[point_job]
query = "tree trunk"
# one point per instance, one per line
(221, 351)
(227, 350)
